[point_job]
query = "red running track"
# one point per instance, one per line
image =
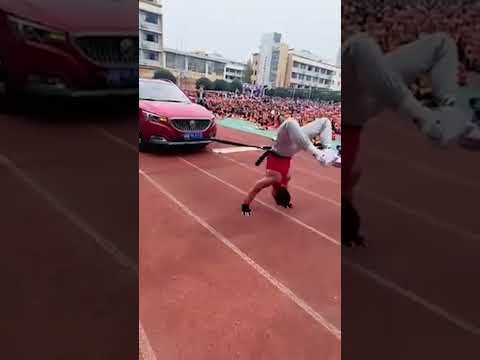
(420, 216)
(216, 285)
(69, 248)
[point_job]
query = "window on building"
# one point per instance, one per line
(310, 68)
(218, 68)
(151, 37)
(296, 64)
(175, 61)
(309, 78)
(151, 18)
(327, 82)
(197, 65)
(317, 69)
(150, 55)
(294, 75)
(211, 68)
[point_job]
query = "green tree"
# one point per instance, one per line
(221, 85)
(236, 85)
(164, 74)
(248, 72)
(205, 83)
(313, 94)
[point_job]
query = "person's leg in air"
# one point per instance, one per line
(384, 80)
(377, 81)
(434, 54)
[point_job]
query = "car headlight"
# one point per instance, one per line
(33, 32)
(153, 117)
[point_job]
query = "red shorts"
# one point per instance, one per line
(350, 148)
(281, 165)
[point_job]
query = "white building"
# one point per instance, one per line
(277, 65)
(306, 70)
(189, 66)
(234, 70)
(150, 34)
(268, 59)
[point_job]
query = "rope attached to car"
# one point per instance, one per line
(266, 149)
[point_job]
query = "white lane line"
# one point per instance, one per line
(381, 281)
(145, 349)
(423, 216)
(439, 311)
(129, 146)
(115, 138)
(259, 269)
(292, 218)
(75, 219)
(314, 174)
(235, 149)
(301, 188)
(424, 168)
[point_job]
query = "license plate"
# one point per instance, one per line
(194, 136)
(122, 77)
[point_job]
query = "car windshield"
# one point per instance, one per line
(161, 91)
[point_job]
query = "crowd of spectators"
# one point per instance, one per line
(267, 112)
(396, 22)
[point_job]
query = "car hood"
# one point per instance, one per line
(173, 110)
(86, 16)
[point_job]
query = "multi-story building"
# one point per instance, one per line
(271, 60)
(188, 67)
(255, 62)
(234, 71)
(278, 66)
(306, 70)
(150, 36)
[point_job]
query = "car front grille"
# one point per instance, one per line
(109, 50)
(191, 124)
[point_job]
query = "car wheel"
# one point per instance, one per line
(3, 86)
(9, 96)
(142, 144)
(201, 147)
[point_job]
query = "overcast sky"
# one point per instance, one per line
(233, 27)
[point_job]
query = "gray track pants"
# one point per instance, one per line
(373, 81)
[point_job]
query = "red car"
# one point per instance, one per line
(69, 48)
(168, 117)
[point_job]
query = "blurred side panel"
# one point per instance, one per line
(410, 178)
(69, 179)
